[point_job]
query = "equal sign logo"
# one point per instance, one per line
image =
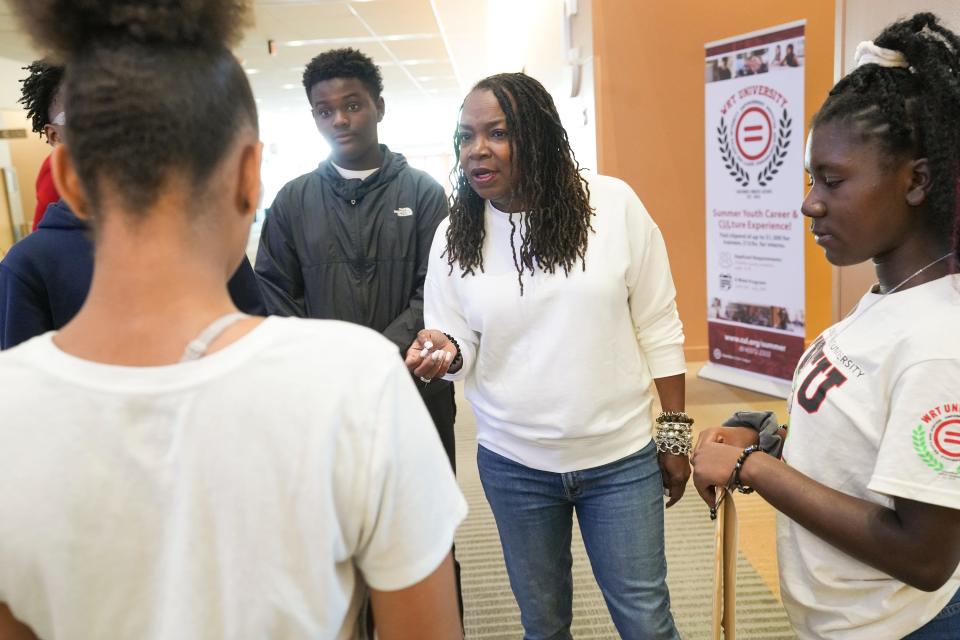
(754, 133)
(946, 438)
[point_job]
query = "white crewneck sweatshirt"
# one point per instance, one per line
(559, 377)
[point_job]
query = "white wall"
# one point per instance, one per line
(542, 41)
(500, 36)
(11, 71)
(864, 19)
(12, 211)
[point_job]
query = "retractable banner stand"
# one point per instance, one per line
(754, 167)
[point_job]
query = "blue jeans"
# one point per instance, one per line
(946, 626)
(620, 510)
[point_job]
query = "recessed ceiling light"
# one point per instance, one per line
(252, 72)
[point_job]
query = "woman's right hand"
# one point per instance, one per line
(430, 355)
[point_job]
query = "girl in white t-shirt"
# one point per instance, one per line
(868, 488)
(170, 468)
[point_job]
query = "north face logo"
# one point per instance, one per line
(403, 212)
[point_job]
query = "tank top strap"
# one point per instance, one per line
(198, 346)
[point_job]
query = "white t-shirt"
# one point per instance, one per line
(248, 494)
(559, 377)
(875, 413)
(354, 174)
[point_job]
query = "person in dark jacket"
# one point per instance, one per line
(44, 278)
(350, 240)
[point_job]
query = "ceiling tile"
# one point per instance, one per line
(304, 21)
(391, 17)
(418, 49)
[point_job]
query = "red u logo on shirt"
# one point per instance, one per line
(823, 370)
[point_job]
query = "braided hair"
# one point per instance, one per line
(38, 92)
(554, 194)
(151, 88)
(913, 111)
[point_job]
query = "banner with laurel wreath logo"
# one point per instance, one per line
(754, 122)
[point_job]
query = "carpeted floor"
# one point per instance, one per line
(491, 612)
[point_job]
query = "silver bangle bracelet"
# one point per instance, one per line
(674, 438)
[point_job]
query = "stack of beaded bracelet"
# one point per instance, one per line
(674, 433)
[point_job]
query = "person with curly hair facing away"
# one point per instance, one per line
(550, 294)
(868, 489)
(45, 277)
(39, 95)
(169, 467)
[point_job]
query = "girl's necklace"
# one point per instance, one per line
(884, 295)
(916, 273)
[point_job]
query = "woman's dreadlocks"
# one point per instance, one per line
(553, 193)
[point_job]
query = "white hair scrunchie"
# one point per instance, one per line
(869, 53)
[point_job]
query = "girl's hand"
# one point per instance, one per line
(741, 437)
(430, 355)
(713, 464)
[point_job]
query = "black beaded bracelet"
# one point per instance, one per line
(736, 469)
(457, 359)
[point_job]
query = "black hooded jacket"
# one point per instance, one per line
(353, 250)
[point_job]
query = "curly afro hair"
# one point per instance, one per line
(343, 63)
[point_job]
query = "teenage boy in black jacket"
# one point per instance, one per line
(350, 240)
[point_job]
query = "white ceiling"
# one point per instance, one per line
(402, 36)
(421, 46)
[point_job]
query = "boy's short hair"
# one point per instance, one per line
(343, 63)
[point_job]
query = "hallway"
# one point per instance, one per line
(491, 612)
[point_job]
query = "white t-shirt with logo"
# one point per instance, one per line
(250, 494)
(875, 413)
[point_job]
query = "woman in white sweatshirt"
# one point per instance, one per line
(550, 294)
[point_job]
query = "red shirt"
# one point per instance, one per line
(46, 192)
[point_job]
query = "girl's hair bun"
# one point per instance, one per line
(922, 39)
(67, 27)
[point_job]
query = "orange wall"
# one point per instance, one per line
(648, 61)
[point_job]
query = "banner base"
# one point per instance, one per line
(752, 381)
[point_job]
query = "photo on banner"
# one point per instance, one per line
(754, 117)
